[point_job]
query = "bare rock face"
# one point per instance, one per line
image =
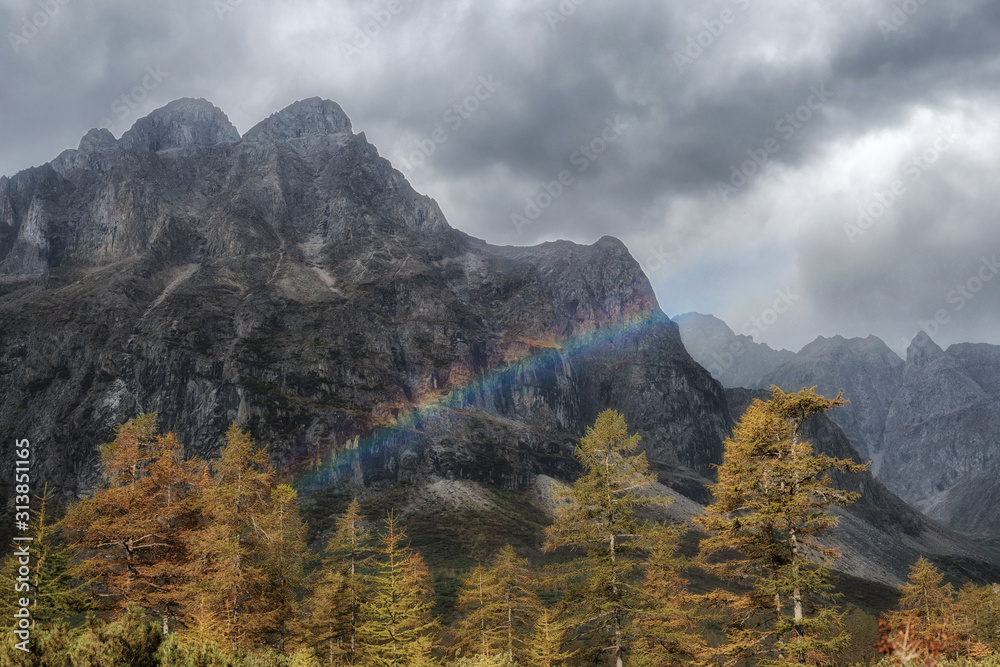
(183, 123)
(943, 435)
(865, 369)
(294, 283)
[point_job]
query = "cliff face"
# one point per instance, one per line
(929, 424)
(943, 435)
(865, 369)
(292, 282)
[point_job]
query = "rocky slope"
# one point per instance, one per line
(943, 435)
(929, 424)
(865, 369)
(291, 281)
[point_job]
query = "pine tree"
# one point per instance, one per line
(772, 499)
(132, 534)
(598, 515)
(334, 609)
(398, 629)
(498, 604)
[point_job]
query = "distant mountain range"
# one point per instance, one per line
(930, 424)
(291, 281)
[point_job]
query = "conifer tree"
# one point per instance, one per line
(667, 622)
(398, 629)
(548, 640)
(131, 536)
(926, 598)
(53, 592)
(248, 555)
(772, 498)
(334, 609)
(498, 604)
(598, 516)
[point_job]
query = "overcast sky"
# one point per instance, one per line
(733, 145)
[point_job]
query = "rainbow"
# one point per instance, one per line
(431, 412)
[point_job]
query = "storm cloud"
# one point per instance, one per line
(838, 157)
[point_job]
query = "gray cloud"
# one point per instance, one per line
(562, 76)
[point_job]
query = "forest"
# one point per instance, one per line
(176, 561)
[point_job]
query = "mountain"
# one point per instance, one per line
(929, 424)
(734, 360)
(865, 369)
(942, 442)
(291, 281)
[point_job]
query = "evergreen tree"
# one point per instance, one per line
(334, 609)
(598, 515)
(498, 604)
(131, 536)
(772, 499)
(398, 629)
(50, 587)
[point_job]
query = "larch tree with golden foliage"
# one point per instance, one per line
(771, 502)
(248, 555)
(132, 535)
(334, 615)
(597, 515)
(498, 605)
(398, 629)
(667, 621)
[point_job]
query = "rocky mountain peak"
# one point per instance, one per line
(97, 140)
(922, 350)
(310, 117)
(180, 124)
